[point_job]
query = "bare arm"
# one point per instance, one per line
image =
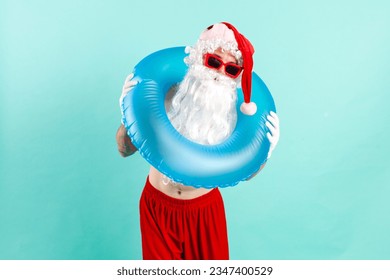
(125, 147)
(257, 172)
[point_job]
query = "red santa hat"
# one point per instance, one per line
(225, 35)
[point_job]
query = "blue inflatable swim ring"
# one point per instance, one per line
(208, 166)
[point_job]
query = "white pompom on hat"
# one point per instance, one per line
(228, 33)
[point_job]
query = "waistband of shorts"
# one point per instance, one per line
(205, 199)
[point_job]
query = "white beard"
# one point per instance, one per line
(204, 107)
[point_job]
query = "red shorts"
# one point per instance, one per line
(178, 229)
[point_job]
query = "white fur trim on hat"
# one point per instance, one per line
(217, 36)
(218, 31)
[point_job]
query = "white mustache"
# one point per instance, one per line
(204, 107)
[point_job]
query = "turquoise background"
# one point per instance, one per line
(65, 193)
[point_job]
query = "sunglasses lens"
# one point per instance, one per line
(232, 70)
(214, 62)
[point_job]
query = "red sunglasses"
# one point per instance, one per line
(215, 62)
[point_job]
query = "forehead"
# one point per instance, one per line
(225, 55)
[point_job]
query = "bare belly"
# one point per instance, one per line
(173, 189)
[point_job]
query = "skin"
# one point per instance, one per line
(126, 148)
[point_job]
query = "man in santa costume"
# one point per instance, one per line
(183, 222)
